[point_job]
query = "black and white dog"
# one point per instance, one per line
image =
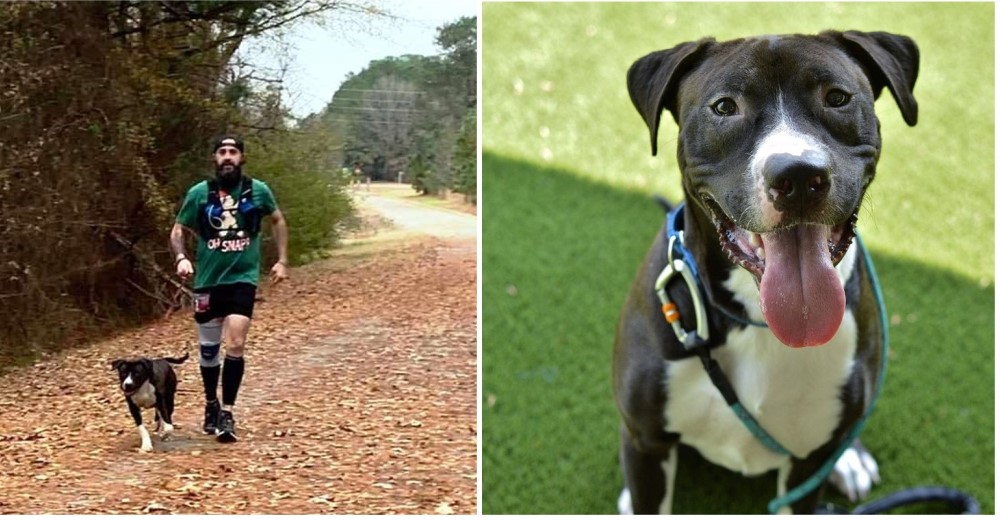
(149, 383)
(778, 143)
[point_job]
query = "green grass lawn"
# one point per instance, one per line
(567, 215)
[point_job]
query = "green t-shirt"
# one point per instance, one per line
(232, 256)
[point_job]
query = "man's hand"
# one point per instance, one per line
(279, 272)
(184, 269)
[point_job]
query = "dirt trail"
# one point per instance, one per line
(391, 200)
(359, 396)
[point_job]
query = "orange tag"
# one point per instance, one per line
(670, 312)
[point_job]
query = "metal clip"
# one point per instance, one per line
(689, 339)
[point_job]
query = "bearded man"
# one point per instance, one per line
(225, 213)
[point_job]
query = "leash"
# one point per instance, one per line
(697, 342)
(824, 471)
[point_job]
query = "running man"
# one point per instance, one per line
(225, 213)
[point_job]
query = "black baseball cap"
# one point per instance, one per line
(228, 140)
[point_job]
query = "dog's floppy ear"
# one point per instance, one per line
(653, 80)
(117, 363)
(892, 61)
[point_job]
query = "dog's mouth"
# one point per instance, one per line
(747, 249)
(801, 294)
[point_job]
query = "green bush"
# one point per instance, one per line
(309, 189)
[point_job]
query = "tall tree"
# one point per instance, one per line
(453, 88)
(376, 110)
(406, 113)
(458, 40)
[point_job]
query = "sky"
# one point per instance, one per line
(320, 57)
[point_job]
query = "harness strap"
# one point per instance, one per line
(697, 343)
(675, 228)
(738, 319)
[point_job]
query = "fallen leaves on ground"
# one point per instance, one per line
(359, 397)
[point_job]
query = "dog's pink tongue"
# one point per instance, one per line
(800, 292)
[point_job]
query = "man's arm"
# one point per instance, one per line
(183, 266)
(280, 231)
(177, 240)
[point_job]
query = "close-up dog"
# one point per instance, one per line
(149, 383)
(763, 348)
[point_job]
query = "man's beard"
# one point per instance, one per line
(229, 177)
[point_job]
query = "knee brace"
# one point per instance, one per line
(209, 339)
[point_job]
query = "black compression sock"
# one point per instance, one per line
(210, 378)
(232, 376)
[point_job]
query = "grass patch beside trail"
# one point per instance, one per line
(451, 201)
(559, 253)
(368, 234)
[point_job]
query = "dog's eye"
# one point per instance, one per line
(837, 98)
(725, 107)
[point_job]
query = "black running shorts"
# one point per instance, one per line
(222, 300)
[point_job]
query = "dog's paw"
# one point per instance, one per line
(166, 430)
(145, 442)
(625, 502)
(855, 473)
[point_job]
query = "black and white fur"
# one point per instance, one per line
(149, 383)
(763, 147)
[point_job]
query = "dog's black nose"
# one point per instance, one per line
(796, 182)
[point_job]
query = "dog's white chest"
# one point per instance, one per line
(145, 396)
(793, 393)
